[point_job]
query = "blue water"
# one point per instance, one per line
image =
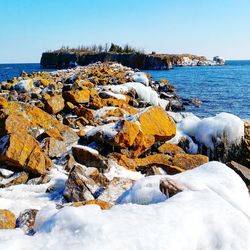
(221, 88)
(8, 71)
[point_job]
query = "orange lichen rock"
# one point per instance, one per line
(102, 204)
(7, 219)
(22, 152)
(187, 161)
(39, 119)
(54, 104)
(139, 133)
(170, 149)
(77, 96)
(158, 160)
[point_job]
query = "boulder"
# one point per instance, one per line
(22, 152)
(53, 147)
(84, 184)
(186, 161)
(26, 220)
(7, 219)
(89, 157)
(102, 204)
(241, 170)
(24, 85)
(15, 179)
(43, 179)
(170, 187)
(170, 149)
(115, 189)
(139, 132)
(38, 119)
(12, 123)
(143, 164)
(54, 104)
(77, 96)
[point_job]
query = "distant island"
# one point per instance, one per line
(83, 55)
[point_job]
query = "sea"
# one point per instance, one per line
(220, 88)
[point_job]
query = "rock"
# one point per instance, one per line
(38, 119)
(13, 123)
(89, 157)
(70, 162)
(77, 96)
(245, 159)
(143, 164)
(53, 147)
(22, 152)
(186, 161)
(115, 189)
(54, 104)
(7, 219)
(26, 220)
(170, 149)
(15, 179)
(81, 187)
(241, 170)
(85, 112)
(43, 179)
(169, 187)
(24, 85)
(137, 134)
(102, 204)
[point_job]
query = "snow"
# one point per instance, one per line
(116, 96)
(140, 77)
(24, 85)
(209, 131)
(89, 149)
(108, 130)
(145, 93)
(119, 171)
(213, 212)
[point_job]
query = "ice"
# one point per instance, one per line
(140, 77)
(145, 93)
(209, 131)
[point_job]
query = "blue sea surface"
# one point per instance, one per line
(221, 88)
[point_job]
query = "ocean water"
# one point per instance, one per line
(221, 88)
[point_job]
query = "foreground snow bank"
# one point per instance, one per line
(213, 212)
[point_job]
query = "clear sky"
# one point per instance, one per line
(203, 27)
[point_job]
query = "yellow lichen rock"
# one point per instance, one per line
(139, 133)
(7, 219)
(22, 152)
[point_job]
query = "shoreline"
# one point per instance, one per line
(106, 137)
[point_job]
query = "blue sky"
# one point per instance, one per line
(211, 27)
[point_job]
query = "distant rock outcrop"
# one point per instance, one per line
(135, 60)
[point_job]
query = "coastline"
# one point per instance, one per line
(103, 138)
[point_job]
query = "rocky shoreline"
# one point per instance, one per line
(103, 135)
(66, 59)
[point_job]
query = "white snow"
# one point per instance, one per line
(140, 77)
(108, 130)
(24, 85)
(119, 171)
(213, 212)
(211, 130)
(145, 93)
(116, 96)
(91, 150)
